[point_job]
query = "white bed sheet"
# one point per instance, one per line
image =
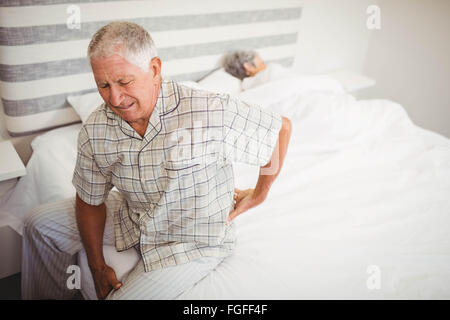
(361, 186)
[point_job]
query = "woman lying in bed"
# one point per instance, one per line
(249, 67)
(272, 85)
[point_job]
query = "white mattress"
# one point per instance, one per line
(362, 189)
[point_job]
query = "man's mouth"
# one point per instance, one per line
(125, 106)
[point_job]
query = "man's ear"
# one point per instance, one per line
(155, 67)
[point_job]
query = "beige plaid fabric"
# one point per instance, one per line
(177, 181)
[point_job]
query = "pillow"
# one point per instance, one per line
(221, 81)
(272, 72)
(282, 96)
(85, 104)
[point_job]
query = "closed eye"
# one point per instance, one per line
(124, 83)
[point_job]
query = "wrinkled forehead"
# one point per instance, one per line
(113, 67)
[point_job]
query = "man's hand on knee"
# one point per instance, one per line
(105, 280)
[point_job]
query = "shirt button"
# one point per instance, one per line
(143, 180)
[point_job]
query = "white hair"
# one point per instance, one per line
(129, 40)
(233, 62)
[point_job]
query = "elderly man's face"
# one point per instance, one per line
(126, 89)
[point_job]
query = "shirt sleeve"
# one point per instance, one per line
(250, 132)
(91, 184)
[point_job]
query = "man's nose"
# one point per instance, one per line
(115, 96)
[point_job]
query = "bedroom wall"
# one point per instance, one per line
(410, 59)
(333, 35)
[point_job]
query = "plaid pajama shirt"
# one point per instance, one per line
(177, 181)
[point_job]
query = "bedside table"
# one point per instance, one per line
(351, 81)
(11, 168)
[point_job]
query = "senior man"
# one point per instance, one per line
(168, 149)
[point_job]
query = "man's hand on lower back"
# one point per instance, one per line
(244, 200)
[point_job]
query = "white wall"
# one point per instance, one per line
(410, 59)
(333, 35)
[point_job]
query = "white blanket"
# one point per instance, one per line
(360, 210)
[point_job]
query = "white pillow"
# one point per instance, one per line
(272, 72)
(221, 81)
(85, 104)
(282, 96)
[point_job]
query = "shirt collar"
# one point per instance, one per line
(168, 100)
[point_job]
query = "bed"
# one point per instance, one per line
(362, 189)
(360, 210)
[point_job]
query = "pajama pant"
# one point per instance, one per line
(51, 241)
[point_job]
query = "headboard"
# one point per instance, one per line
(43, 46)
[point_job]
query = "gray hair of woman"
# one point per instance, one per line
(129, 40)
(233, 62)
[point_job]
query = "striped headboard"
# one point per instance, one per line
(43, 46)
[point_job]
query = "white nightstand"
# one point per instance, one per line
(351, 81)
(11, 168)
